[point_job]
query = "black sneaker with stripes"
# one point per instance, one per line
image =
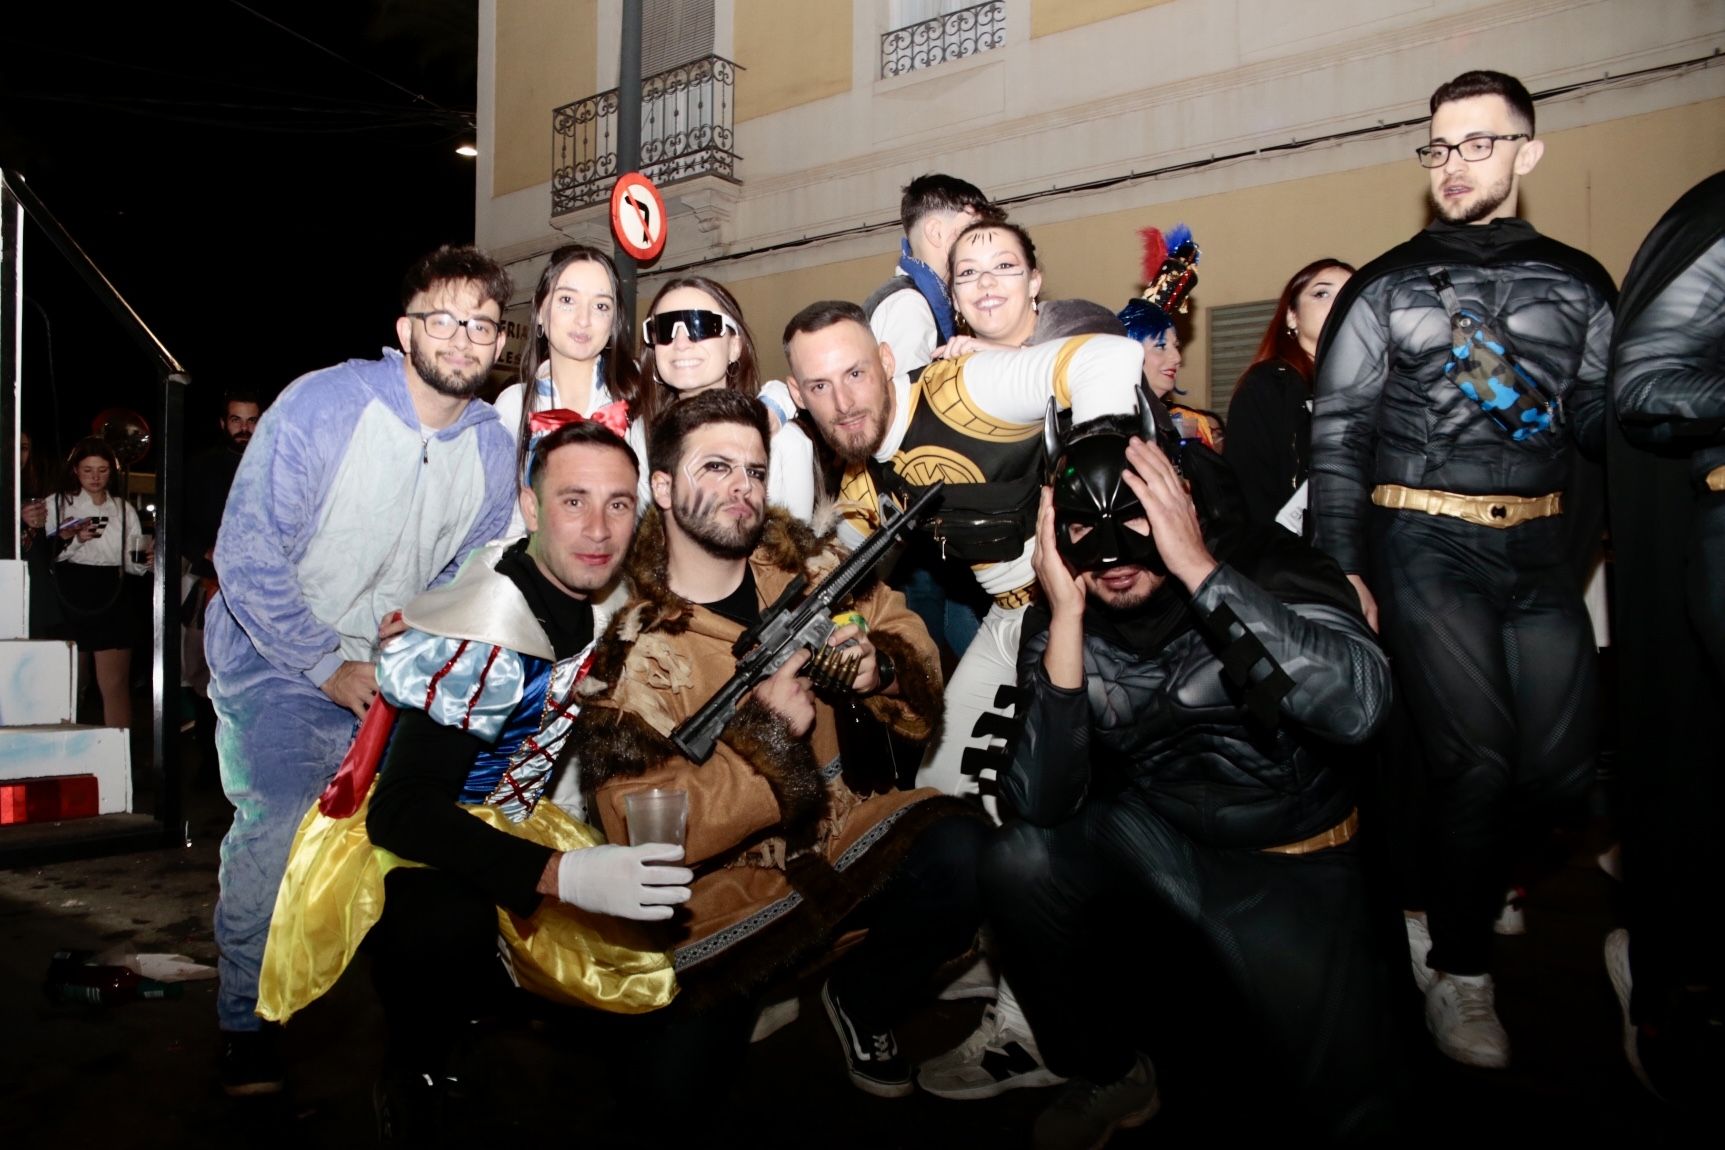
(871, 1056)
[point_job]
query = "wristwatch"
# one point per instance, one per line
(884, 669)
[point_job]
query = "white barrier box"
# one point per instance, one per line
(45, 752)
(38, 682)
(14, 599)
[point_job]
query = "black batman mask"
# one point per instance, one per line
(1090, 491)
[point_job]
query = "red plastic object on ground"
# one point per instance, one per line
(48, 800)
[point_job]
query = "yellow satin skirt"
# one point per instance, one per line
(332, 895)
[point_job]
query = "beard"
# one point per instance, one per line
(1128, 599)
(241, 438)
(697, 514)
(1489, 200)
(443, 382)
(861, 447)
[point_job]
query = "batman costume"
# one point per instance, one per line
(1456, 378)
(1666, 455)
(1196, 782)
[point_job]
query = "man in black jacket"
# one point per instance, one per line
(1189, 688)
(1457, 376)
(209, 475)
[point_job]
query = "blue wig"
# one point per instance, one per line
(1144, 320)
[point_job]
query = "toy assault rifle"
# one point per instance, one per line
(784, 630)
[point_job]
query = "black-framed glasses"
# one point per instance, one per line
(697, 323)
(442, 325)
(1473, 149)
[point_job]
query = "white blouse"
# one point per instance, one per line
(105, 550)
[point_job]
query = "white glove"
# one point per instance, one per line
(628, 882)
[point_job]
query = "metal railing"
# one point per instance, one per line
(111, 833)
(686, 131)
(954, 36)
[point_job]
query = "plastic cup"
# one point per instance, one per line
(657, 816)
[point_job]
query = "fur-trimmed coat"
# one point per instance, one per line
(782, 848)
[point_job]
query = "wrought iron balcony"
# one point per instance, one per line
(686, 131)
(954, 36)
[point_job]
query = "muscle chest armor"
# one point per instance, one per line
(1170, 726)
(950, 437)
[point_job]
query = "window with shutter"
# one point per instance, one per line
(674, 32)
(1234, 334)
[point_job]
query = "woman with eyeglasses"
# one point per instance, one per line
(100, 541)
(581, 358)
(995, 282)
(1270, 417)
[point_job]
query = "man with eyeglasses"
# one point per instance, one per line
(364, 484)
(1456, 377)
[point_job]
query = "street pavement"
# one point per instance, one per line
(144, 1074)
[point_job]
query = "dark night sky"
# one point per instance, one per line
(254, 197)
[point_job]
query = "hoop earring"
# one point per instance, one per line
(733, 368)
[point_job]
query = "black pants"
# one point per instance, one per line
(435, 966)
(927, 915)
(1494, 655)
(1674, 777)
(1288, 935)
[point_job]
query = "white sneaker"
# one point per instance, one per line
(994, 1059)
(1461, 1013)
(775, 1016)
(976, 981)
(1419, 945)
(1510, 919)
(1617, 966)
(1610, 861)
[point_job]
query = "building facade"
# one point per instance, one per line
(781, 132)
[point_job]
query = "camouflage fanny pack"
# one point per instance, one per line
(1483, 366)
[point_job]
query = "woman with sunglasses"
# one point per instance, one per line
(694, 340)
(580, 359)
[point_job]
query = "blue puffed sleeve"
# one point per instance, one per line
(459, 683)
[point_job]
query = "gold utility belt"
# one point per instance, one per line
(1715, 480)
(1485, 510)
(1323, 840)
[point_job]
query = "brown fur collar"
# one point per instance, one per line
(917, 707)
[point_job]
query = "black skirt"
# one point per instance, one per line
(96, 603)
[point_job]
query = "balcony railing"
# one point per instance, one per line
(686, 118)
(953, 36)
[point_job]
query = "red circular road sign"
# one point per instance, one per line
(638, 216)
